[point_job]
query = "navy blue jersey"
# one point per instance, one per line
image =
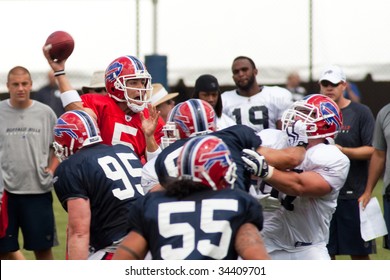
(200, 226)
(110, 177)
(237, 138)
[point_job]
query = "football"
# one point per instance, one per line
(60, 45)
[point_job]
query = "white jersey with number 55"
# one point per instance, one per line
(259, 111)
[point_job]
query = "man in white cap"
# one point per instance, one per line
(355, 141)
(162, 100)
(334, 75)
(96, 85)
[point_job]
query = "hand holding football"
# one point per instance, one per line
(60, 45)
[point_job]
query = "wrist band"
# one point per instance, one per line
(59, 73)
(150, 155)
(270, 172)
(69, 96)
(302, 144)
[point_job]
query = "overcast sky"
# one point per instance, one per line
(199, 36)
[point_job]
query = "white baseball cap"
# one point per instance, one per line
(333, 74)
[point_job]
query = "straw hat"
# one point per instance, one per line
(97, 81)
(160, 94)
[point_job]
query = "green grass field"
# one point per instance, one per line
(61, 221)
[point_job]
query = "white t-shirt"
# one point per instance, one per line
(224, 121)
(259, 111)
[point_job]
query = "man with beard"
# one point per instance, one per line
(252, 104)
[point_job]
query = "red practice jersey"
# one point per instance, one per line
(118, 128)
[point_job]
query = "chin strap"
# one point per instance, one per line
(329, 141)
(136, 108)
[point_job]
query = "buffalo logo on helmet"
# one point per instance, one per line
(215, 156)
(207, 159)
(183, 122)
(64, 127)
(329, 109)
(113, 71)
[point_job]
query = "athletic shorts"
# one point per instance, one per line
(33, 214)
(345, 237)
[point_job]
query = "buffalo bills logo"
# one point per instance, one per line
(184, 123)
(328, 72)
(64, 127)
(330, 113)
(216, 156)
(113, 71)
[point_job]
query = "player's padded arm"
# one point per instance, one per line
(79, 220)
(307, 183)
(286, 158)
(294, 154)
(133, 247)
(249, 244)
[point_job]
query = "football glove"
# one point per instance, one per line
(268, 202)
(256, 164)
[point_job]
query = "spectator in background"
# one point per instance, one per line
(352, 92)
(27, 166)
(380, 164)
(355, 141)
(207, 89)
(96, 85)
(293, 84)
(162, 100)
(50, 95)
(252, 104)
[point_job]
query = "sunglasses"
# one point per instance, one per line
(327, 83)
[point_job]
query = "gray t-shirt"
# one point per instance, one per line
(26, 136)
(381, 140)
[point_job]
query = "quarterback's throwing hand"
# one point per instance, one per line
(255, 163)
(297, 134)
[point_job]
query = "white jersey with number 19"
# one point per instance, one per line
(259, 111)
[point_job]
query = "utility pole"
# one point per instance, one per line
(137, 27)
(155, 20)
(311, 86)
